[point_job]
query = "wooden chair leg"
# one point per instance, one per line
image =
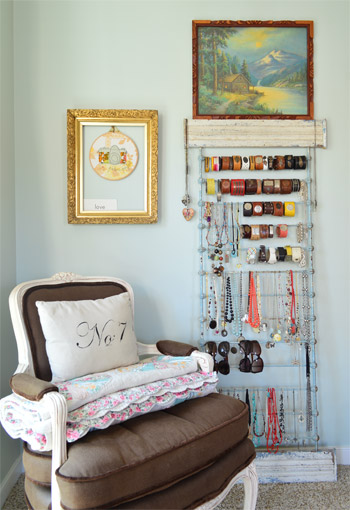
(250, 480)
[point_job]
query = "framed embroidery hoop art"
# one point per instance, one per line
(252, 69)
(112, 161)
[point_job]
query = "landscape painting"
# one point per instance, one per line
(253, 69)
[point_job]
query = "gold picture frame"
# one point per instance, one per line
(112, 162)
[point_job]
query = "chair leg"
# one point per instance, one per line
(250, 480)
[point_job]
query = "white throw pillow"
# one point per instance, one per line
(88, 336)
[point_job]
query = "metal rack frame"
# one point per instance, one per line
(193, 140)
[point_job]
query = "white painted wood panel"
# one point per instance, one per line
(256, 133)
(297, 467)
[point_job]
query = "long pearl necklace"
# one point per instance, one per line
(237, 302)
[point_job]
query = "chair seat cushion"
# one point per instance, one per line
(187, 494)
(151, 452)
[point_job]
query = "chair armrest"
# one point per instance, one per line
(172, 348)
(30, 387)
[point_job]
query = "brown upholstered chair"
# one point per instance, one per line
(187, 456)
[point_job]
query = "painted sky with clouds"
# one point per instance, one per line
(253, 43)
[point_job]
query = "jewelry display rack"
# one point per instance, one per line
(281, 390)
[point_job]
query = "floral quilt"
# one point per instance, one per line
(92, 406)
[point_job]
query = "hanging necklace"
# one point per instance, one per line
(306, 308)
(237, 303)
(301, 417)
(274, 434)
(211, 321)
(234, 251)
(207, 298)
(255, 410)
(258, 297)
(281, 414)
(280, 305)
(209, 217)
(216, 309)
(292, 327)
(186, 200)
(263, 325)
(308, 391)
(238, 230)
(223, 306)
(253, 314)
(207, 211)
(274, 335)
(228, 302)
(297, 311)
(224, 237)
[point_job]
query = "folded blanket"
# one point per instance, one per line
(31, 420)
(84, 389)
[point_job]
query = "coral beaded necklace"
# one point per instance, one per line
(253, 312)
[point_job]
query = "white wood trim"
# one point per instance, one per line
(256, 133)
(250, 479)
(297, 467)
(343, 456)
(58, 411)
(10, 479)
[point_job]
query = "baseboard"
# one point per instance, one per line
(297, 467)
(343, 456)
(10, 479)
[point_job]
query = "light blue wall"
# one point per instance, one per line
(144, 52)
(9, 449)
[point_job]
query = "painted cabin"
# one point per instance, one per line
(236, 83)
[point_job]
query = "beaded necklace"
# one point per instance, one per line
(306, 307)
(308, 391)
(211, 320)
(237, 303)
(262, 303)
(234, 251)
(258, 296)
(217, 218)
(209, 211)
(223, 307)
(280, 307)
(274, 434)
(301, 417)
(238, 230)
(255, 412)
(291, 319)
(287, 437)
(281, 414)
(253, 314)
(229, 315)
(275, 334)
(216, 308)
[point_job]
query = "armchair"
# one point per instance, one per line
(185, 456)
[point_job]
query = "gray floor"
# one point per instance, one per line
(288, 496)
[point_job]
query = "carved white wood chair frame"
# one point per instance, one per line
(56, 403)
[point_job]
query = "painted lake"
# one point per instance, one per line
(288, 101)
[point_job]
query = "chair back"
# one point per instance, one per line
(25, 318)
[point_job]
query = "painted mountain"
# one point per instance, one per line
(279, 69)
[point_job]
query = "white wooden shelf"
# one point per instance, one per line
(256, 133)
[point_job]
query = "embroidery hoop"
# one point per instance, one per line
(113, 155)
